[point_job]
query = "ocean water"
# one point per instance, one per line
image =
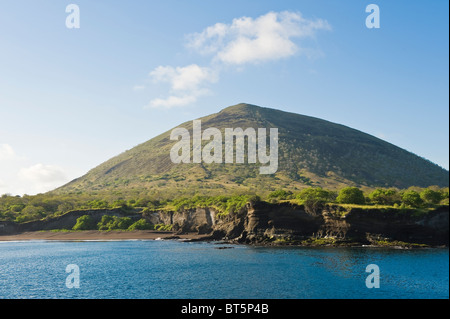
(179, 270)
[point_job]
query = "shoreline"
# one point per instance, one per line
(117, 235)
(96, 235)
(264, 224)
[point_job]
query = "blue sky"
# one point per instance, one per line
(72, 98)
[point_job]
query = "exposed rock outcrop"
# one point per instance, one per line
(263, 222)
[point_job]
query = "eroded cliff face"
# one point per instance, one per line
(409, 226)
(280, 223)
(265, 223)
(289, 223)
(200, 220)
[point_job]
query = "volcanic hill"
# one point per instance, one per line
(312, 152)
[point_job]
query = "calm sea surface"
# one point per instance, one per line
(172, 269)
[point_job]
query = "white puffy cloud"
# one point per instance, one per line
(186, 84)
(245, 40)
(19, 176)
(248, 40)
(189, 78)
(43, 177)
(42, 173)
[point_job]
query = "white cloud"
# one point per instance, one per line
(186, 84)
(2, 185)
(43, 177)
(245, 40)
(19, 176)
(7, 152)
(248, 40)
(186, 78)
(172, 101)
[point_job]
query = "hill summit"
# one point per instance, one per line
(311, 152)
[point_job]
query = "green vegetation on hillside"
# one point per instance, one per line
(312, 152)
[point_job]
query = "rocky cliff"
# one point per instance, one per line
(290, 223)
(281, 223)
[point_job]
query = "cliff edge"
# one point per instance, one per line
(281, 224)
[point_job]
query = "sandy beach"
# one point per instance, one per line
(101, 235)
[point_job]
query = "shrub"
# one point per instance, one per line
(84, 222)
(141, 224)
(444, 193)
(106, 222)
(444, 196)
(162, 227)
(430, 196)
(351, 195)
(97, 203)
(223, 203)
(385, 197)
(315, 193)
(123, 223)
(281, 194)
(114, 222)
(314, 198)
(120, 203)
(412, 198)
(17, 208)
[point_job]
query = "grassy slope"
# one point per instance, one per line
(312, 152)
